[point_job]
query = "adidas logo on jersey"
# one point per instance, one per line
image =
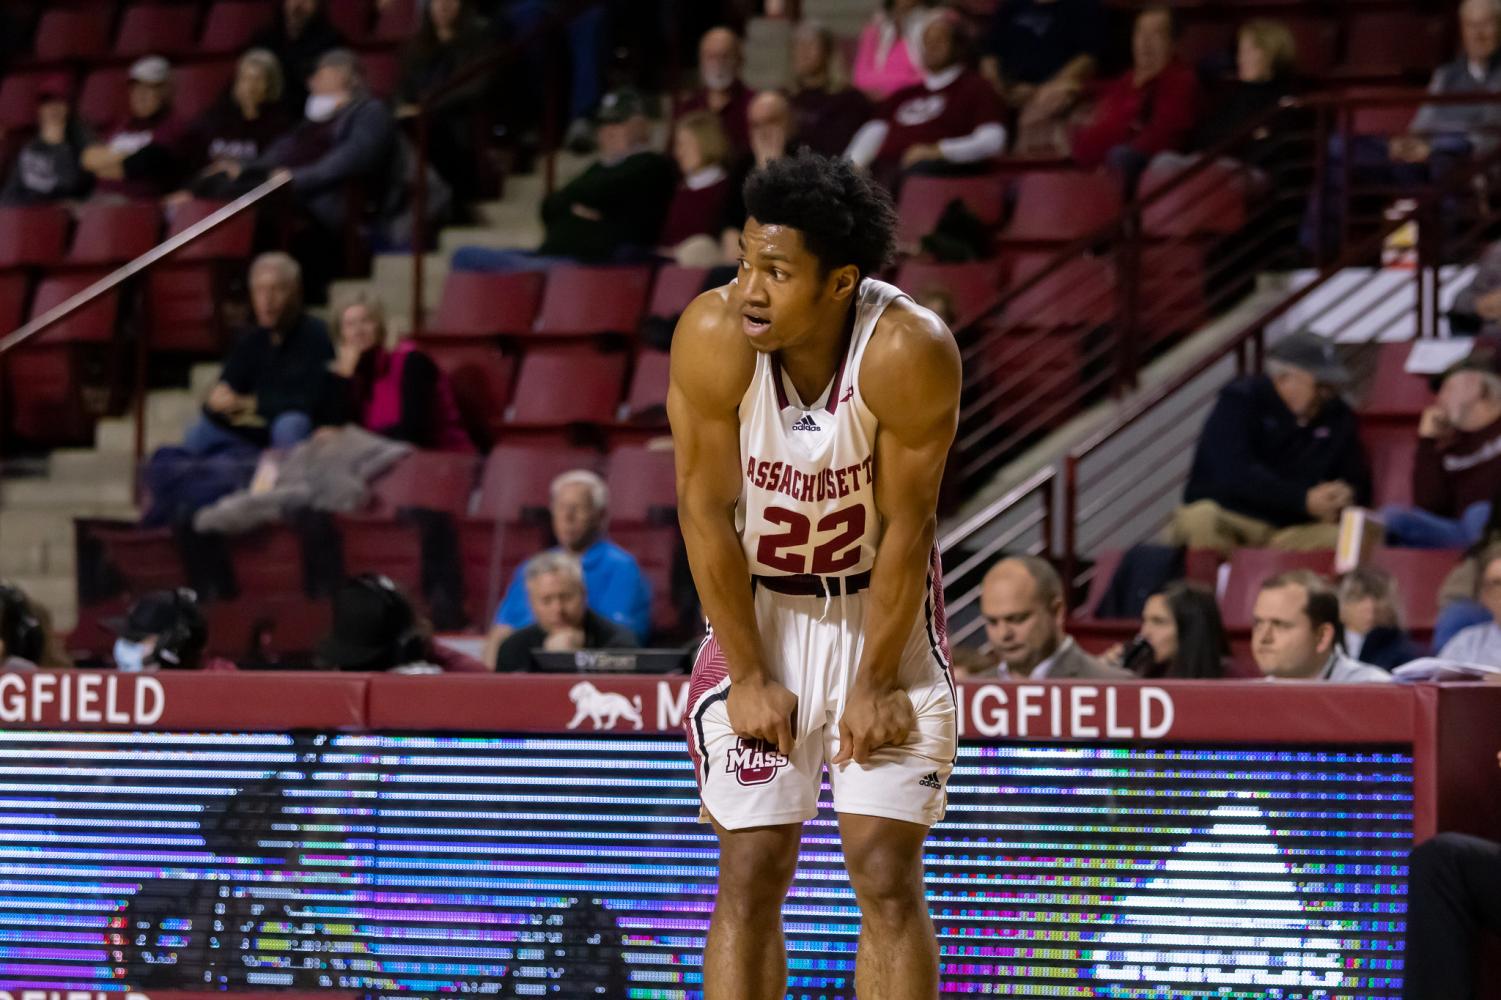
(806, 423)
(930, 780)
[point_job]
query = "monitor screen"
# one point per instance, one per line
(574, 866)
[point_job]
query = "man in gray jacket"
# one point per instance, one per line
(1021, 600)
(1460, 129)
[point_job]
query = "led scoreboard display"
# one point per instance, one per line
(572, 865)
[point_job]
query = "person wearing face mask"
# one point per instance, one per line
(949, 123)
(1279, 458)
(1458, 463)
(398, 393)
(163, 630)
(139, 157)
(720, 88)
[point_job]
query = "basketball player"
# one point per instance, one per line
(812, 408)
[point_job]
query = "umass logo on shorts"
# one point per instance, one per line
(754, 762)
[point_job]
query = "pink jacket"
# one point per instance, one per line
(885, 61)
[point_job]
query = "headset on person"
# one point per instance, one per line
(181, 644)
(20, 629)
(410, 643)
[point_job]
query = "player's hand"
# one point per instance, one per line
(762, 710)
(873, 718)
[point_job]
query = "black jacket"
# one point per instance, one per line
(515, 654)
(1254, 459)
(1387, 647)
(631, 197)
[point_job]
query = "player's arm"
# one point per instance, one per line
(711, 368)
(910, 378)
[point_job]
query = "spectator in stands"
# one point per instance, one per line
(1296, 632)
(612, 211)
(376, 629)
(398, 393)
(1453, 884)
(1477, 307)
(1040, 55)
(163, 630)
(1457, 130)
(1182, 636)
(563, 622)
(1458, 464)
(299, 38)
(771, 137)
(889, 55)
(1279, 458)
(137, 157)
(1148, 109)
(1372, 620)
(949, 123)
(273, 381)
(1264, 56)
(23, 636)
(1481, 643)
(452, 38)
(720, 88)
(239, 127)
(696, 215)
(1021, 600)
(48, 167)
(826, 113)
(617, 589)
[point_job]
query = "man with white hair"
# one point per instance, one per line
(720, 57)
(556, 593)
(273, 381)
(616, 589)
(1458, 465)
(1279, 458)
(1460, 128)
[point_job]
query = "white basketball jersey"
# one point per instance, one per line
(808, 504)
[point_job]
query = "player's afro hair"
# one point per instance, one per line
(844, 217)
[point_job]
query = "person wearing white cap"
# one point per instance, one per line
(135, 159)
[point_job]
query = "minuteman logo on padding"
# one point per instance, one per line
(753, 762)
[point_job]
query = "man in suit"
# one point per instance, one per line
(1021, 600)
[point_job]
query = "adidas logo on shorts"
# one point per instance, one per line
(930, 780)
(806, 423)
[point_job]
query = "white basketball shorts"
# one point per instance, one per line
(811, 646)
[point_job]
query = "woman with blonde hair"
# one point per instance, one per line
(396, 392)
(698, 208)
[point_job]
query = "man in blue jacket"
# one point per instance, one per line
(616, 588)
(1279, 459)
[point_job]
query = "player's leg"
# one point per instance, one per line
(898, 957)
(745, 957)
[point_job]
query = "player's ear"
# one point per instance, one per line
(843, 281)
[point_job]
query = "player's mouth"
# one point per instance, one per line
(754, 325)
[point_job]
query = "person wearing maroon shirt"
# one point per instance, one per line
(136, 158)
(697, 209)
(721, 89)
(237, 128)
(1148, 109)
(949, 123)
(1458, 464)
(826, 118)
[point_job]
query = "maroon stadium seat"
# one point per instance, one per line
(486, 305)
(559, 388)
(147, 559)
(1394, 393)
(286, 624)
(1391, 43)
(268, 562)
(1419, 573)
(674, 288)
(54, 379)
(492, 550)
(923, 200)
(197, 87)
(156, 29)
(351, 17)
(382, 72)
(232, 240)
(646, 402)
(72, 34)
(18, 99)
(1203, 40)
(642, 486)
(1078, 292)
(102, 99)
(516, 479)
(181, 309)
(1383, 120)
(1391, 449)
(32, 235)
(482, 376)
(1249, 567)
(1060, 206)
(232, 24)
(398, 20)
(1212, 201)
(110, 232)
(1172, 287)
(95, 323)
(13, 288)
(973, 286)
(587, 301)
(1316, 40)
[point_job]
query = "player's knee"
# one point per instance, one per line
(888, 883)
(756, 875)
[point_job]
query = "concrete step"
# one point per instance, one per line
(28, 558)
(203, 378)
(59, 494)
(86, 464)
(55, 526)
(58, 593)
(117, 434)
(843, 17)
(346, 290)
(514, 234)
(768, 53)
(172, 406)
